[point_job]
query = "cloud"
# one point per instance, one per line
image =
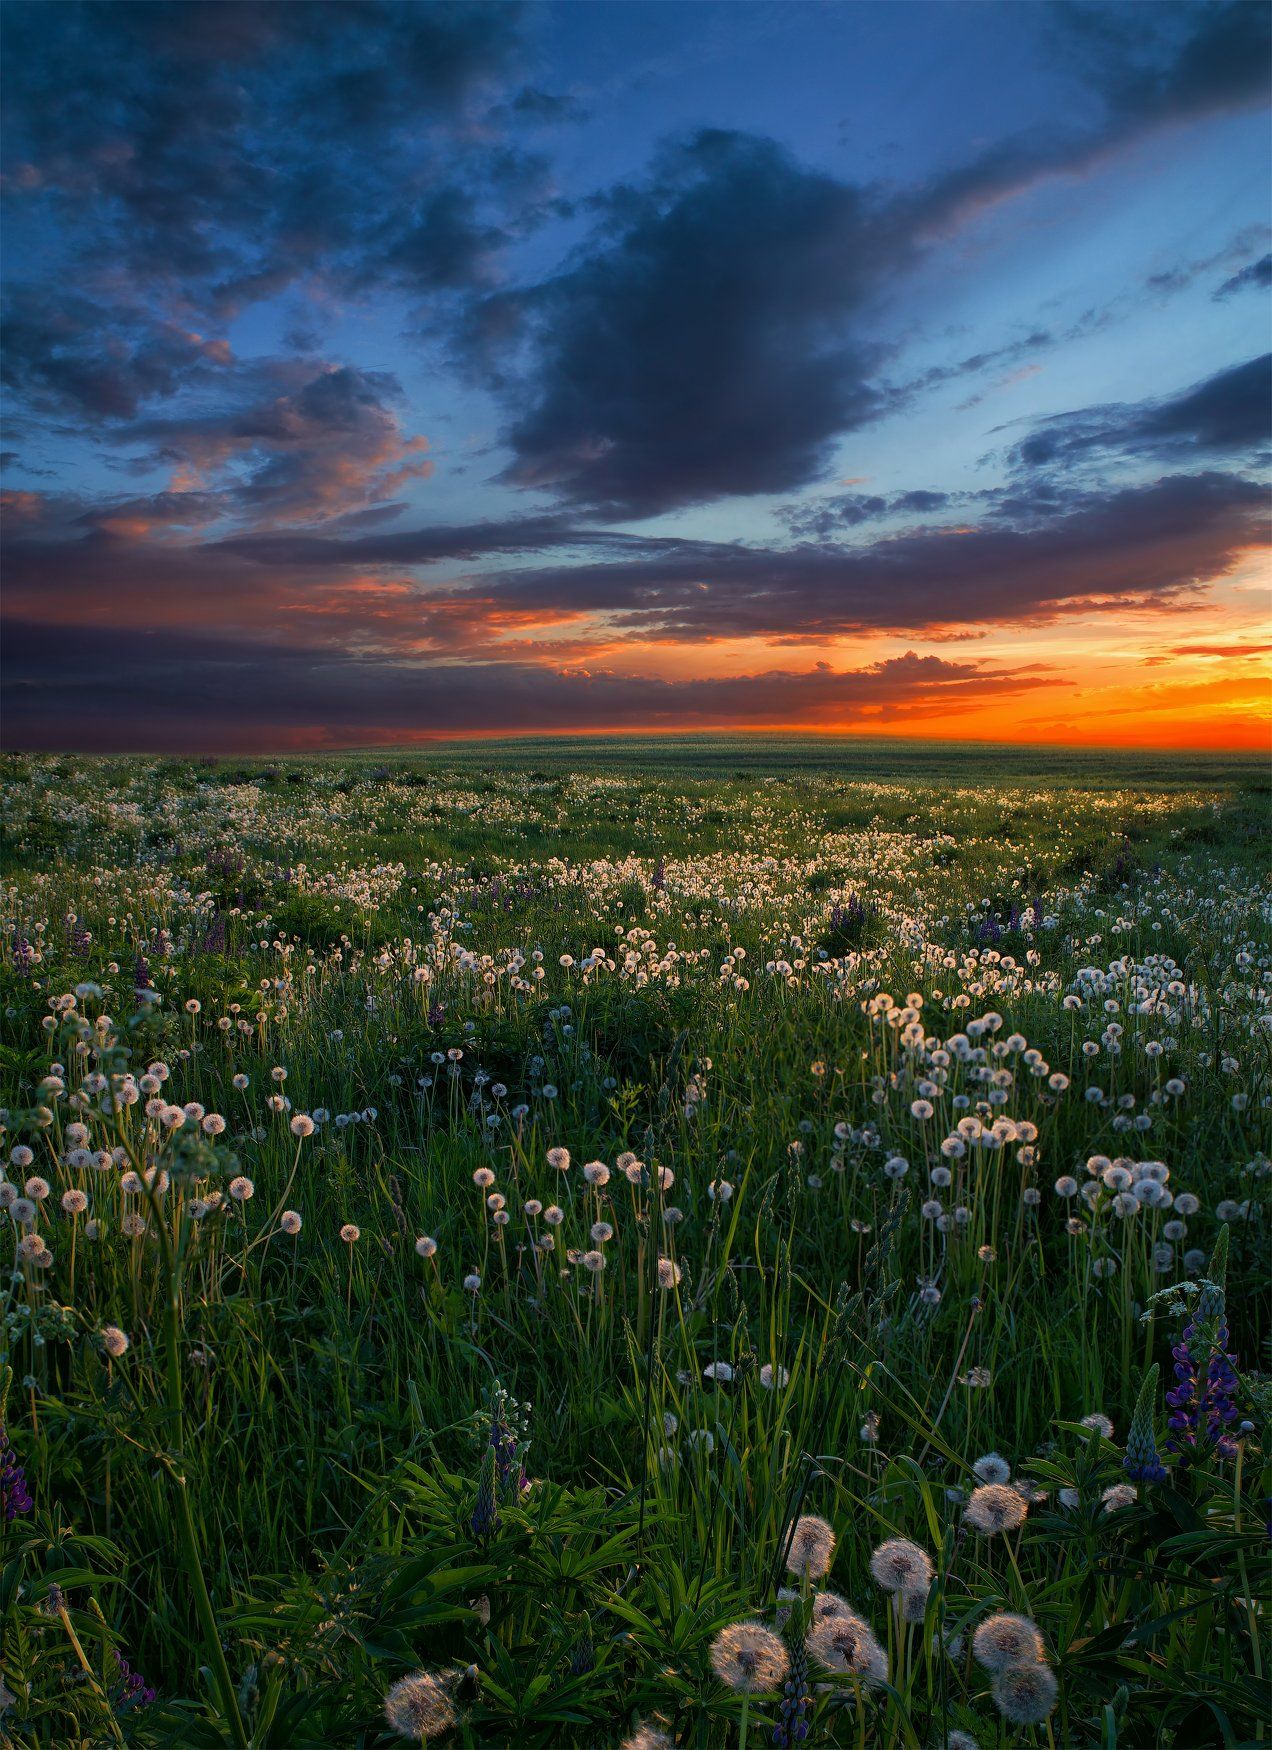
(219, 150)
(135, 691)
(1031, 557)
(1257, 275)
(67, 354)
(330, 441)
(1228, 413)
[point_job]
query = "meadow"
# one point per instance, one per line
(682, 1243)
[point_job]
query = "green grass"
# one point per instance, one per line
(278, 1501)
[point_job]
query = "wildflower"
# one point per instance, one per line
(74, 1202)
(15, 1498)
(559, 1158)
(596, 1173)
(302, 1125)
(1025, 1694)
(419, 1706)
(847, 1644)
(241, 1189)
(130, 1689)
(992, 1468)
(746, 1656)
(994, 1508)
(472, 1282)
(290, 1221)
(426, 1246)
(1142, 1463)
(350, 1233)
(773, 1377)
(720, 1370)
(114, 1341)
(1099, 1424)
(901, 1566)
(668, 1273)
(1004, 1640)
(483, 1178)
(811, 1547)
(593, 1261)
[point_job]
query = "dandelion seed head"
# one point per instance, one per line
(994, 1508)
(419, 1706)
(747, 1657)
(1025, 1694)
(901, 1566)
(1003, 1640)
(812, 1547)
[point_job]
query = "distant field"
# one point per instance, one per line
(848, 757)
(681, 1243)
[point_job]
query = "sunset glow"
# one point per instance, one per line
(405, 372)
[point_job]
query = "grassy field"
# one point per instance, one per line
(608, 1243)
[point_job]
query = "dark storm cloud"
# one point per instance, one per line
(699, 346)
(135, 692)
(1257, 276)
(1229, 412)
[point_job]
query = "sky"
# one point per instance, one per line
(376, 373)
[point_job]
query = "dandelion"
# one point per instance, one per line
(647, 1737)
(289, 1221)
(1025, 1694)
(559, 1158)
(74, 1202)
(419, 1706)
(472, 1282)
(350, 1233)
(901, 1566)
(811, 1547)
(668, 1273)
(241, 1189)
(426, 1246)
(596, 1173)
(301, 1124)
(1099, 1424)
(992, 1468)
(772, 1377)
(1118, 1496)
(718, 1370)
(114, 1341)
(748, 1657)
(847, 1644)
(993, 1508)
(1004, 1640)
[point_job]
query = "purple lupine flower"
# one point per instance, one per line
(436, 1014)
(214, 941)
(486, 1513)
(131, 1689)
(990, 930)
(15, 1498)
(658, 880)
(141, 974)
(77, 938)
(23, 953)
(797, 1697)
(1203, 1403)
